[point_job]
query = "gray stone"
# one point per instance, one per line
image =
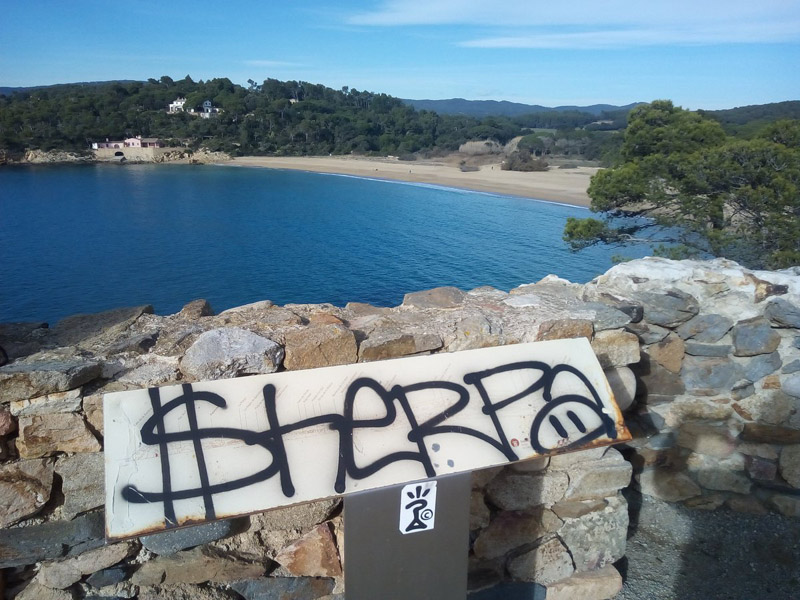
(80, 328)
(761, 366)
(721, 479)
(598, 479)
(194, 566)
(783, 313)
(230, 352)
(597, 539)
(24, 489)
(441, 297)
(8, 424)
(284, 588)
(599, 584)
(196, 309)
(30, 378)
(545, 563)
(791, 385)
(789, 464)
(669, 308)
(616, 348)
(301, 516)
(743, 388)
(320, 346)
(106, 577)
(22, 339)
(137, 344)
(666, 485)
(35, 591)
(170, 542)
(610, 318)
(623, 385)
(709, 328)
(788, 506)
(510, 590)
(393, 343)
(647, 333)
(761, 469)
(657, 383)
(707, 438)
(796, 342)
(62, 574)
(60, 402)
(792, 367)
(512, 529)
(700, 373)
(698, 349)
(754, 336)
(520, 491)
(82, 483)
(27, 545)
(44, 435)
(180, 591)
(767, 406)
(479, 515)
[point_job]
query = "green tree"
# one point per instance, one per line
(684, 185)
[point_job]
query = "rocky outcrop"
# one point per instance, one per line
(704, 357)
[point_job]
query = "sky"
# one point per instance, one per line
(709, 54)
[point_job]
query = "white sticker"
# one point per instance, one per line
(418, 507)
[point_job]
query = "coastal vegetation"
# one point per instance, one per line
(284, 118)
(686, 186)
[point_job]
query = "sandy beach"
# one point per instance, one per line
(557, 185)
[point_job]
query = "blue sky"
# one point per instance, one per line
(699, 53)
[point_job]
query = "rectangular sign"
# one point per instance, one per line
(184, 454)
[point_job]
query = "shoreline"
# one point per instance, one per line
(565, 186)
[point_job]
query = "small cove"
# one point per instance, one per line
(80, 239)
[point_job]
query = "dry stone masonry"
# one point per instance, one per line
(704, 357)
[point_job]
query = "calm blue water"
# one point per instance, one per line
(77, 239)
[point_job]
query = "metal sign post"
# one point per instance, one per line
(408, 540)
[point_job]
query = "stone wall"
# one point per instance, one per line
(705, 357)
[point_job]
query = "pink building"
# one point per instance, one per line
(140, 142)
(107, 144)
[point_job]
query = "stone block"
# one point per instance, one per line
(598, 479)
(35, 591)
(560, 329)
(106, 577)
(26, 379)
(770, 434)
(789, 465)
(792, 367)
(60, 402)
(194, 566)
(512, 529)
(769, 406)
(623, 385)
(44, 435)
(479, 515)
(704, 438)
(171, 542)
(791, 385)
(520, 491)
(77, 329)
(196, 309)
(568, 459)
(230, 352)
(656, 382)
(647, 332)
(83, 484)
(703, 373)
(300, 517)
(285, 588)
(698, 349)
(668, 308)
(788, 506)
(616, 348)
(746, 504)
(597, 539)
(670, 486)
(761, 366)
(599, 584)
(319, 346)
(754, 336)
(8, 424)
(708, 501)
(313, 555)
(705, 329)
(390, 343)
(27, 545)
(441, 297)
(137, 344)
(572, 509)
(62, 574)
(668, 352)
(93, 410)
(782, 313)
(545, 563)
(761, 469)
(25, 488)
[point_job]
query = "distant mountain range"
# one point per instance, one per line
(485, 108)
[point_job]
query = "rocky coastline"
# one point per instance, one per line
(55, 157)
(703, 357)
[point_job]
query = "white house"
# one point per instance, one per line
(177, 106)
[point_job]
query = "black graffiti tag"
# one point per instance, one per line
(584, 414)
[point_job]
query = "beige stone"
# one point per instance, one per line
(93, 410)
(689, 408)
(786, 505)
(313, 555)
(623, 384)
(560, 329)
(616, 348)
(573, 509)
(319, 346)
(194, 566)
(600, 584)
(512, 529)
(82, 483)
(36, 591)
(707, 439)
(771, 406)
(598, 479)
(520, 491)
(546, 563)
(62, 574)
(383, 344)
(479, 514)
(43, 435)
(667, 485)
(711, 501)
(25, 488)
(668, 352)
(59, 402)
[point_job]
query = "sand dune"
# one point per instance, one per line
(557, 185)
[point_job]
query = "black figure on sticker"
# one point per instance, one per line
(421, 514)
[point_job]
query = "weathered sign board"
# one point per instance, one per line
(190, 453)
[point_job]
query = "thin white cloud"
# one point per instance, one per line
(595, 24)
(271, 63)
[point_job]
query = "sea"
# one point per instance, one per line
(87, 238)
